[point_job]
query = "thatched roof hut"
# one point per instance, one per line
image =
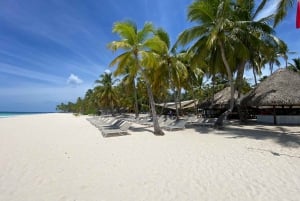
(220, 100)
(184, 104)
(282, 88)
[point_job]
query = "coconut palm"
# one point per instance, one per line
(296, 65)
(138, 51)
(215, 32)
(175, 70)
(105, 91)
(229, 30)
(281, 10)
(194, 77)
(130, 73)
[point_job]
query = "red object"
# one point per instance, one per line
(298, 15)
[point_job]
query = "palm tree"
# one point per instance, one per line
(194, 77)
(139, 47)
(174, 69)
(215, 32)
(105, 91)
(229, 30)
(130, 73)
(89, 102)
(255, 33)
(281, 10)
(296, 65)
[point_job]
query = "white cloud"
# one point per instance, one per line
(74, 80)
(107, 71)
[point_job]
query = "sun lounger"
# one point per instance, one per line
(123, 130)
(145, 121)
(209, 122)
(176, 125)
(116, 124)
(165, 121)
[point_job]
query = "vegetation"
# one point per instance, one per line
(295, 66)
(226, 39)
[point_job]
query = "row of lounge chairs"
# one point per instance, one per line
(199, 121)
(165, 123)
(110, 126)
(171, 124)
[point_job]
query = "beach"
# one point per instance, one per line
(62, 157)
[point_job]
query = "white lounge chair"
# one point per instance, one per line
(176, 125)
(122, 130)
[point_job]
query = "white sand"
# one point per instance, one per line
(60, 157)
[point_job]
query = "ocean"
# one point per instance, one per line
(12, 114)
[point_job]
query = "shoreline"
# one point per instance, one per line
(60, 156)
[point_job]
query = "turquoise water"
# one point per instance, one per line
(12, 114)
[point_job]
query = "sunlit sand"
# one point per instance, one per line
(64, 157)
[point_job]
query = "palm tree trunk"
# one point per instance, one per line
(179, 101)
(176, 103)
(136, 105)
(219, 122)
(195, 103)
(213, 87)
(239, 85)
(240, 77)
(271, 67)
(254, 75)
(157, 129)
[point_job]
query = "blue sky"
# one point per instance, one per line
(52, 51)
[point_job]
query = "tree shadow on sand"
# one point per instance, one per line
(278, 134)
(142, 129)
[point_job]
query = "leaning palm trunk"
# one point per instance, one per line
(240, 77)
(157, 129)
(136, 106)
(179, 100)
(194, 98)
(219, 122)
(239, 85)
(176, 104)
(254, 75)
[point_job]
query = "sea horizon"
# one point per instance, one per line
(5, 114)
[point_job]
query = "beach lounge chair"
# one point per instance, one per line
(116, 124)
(145, 121)
(123, 130)
(165, 121)
(176, 125)
(97, 121)
(209, 122)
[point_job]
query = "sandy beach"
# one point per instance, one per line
(61, 157)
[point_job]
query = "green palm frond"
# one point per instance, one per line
(149, 59)
(191, 34)
(260, 8)
(116, 45)
(121, 60)
(156, 44)
(143, 34)
(281, 11)
(163, 35)
(126, 30)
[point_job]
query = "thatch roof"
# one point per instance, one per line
(184, 104)
(281, 88)
(220, 100)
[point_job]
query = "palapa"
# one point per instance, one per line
(221, 100)
(282, 88)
